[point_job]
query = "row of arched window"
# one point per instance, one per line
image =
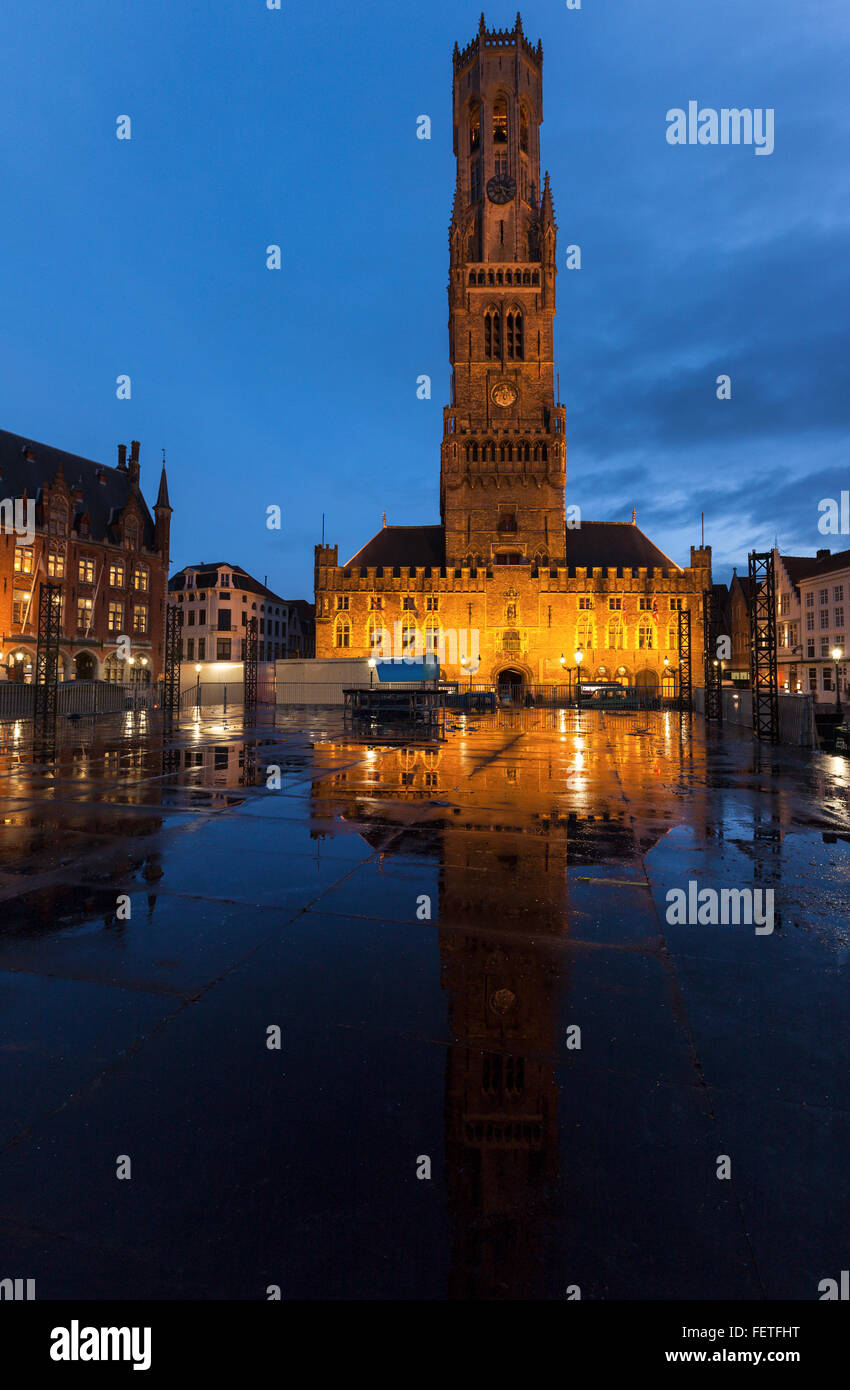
(380, 639)
(614, 635)
(490, 452)
(504, 277)
(647, 636)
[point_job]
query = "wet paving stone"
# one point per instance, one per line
(468, 950)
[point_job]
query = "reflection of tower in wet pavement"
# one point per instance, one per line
(503, 983)
(502, 925)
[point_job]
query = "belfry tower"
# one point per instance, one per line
(503, 460)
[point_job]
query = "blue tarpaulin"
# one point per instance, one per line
(409, 671)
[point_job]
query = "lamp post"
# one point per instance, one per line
(198, 686)
(837, 653)
(372, 665)
(579, 659)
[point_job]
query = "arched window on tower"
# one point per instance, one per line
(500, 121)
(493, 334)
(523, 129)
(474, 126)
(514, 335)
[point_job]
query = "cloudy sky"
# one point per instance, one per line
(298, 387)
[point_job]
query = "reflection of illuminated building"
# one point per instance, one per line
(503, 985)
(508, 814)
(508, 573)
(502, 982)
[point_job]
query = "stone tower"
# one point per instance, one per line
(503, 461)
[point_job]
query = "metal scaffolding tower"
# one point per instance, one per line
(763, 663)
(686, 696)
(713, 669)
(171, 675)
(47, 664)
(250, 670)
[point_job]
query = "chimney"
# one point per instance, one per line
(134, 461)
(122, 457)
(822, 555)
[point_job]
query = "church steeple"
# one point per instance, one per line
(503, 458)
(162, 512)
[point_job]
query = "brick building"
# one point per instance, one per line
(92, 533)
(510, 581)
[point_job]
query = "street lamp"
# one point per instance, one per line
(372, 664)
(579, 659)
(837, 653)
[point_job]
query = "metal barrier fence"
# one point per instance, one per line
(17, 701)
(481, 696)
(796, 715)
(223, 695)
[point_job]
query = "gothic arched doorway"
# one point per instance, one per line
(647, 680)
(85, 666)
(510, 683)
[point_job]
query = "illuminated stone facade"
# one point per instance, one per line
(511, 574)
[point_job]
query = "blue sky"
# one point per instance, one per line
(298, 387)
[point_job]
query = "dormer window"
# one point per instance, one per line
(131, 535)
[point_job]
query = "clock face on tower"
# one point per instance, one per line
(501, 188)
(503, 393)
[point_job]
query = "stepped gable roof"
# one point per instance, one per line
(416, 547)
(614, 545)
(103, 501)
